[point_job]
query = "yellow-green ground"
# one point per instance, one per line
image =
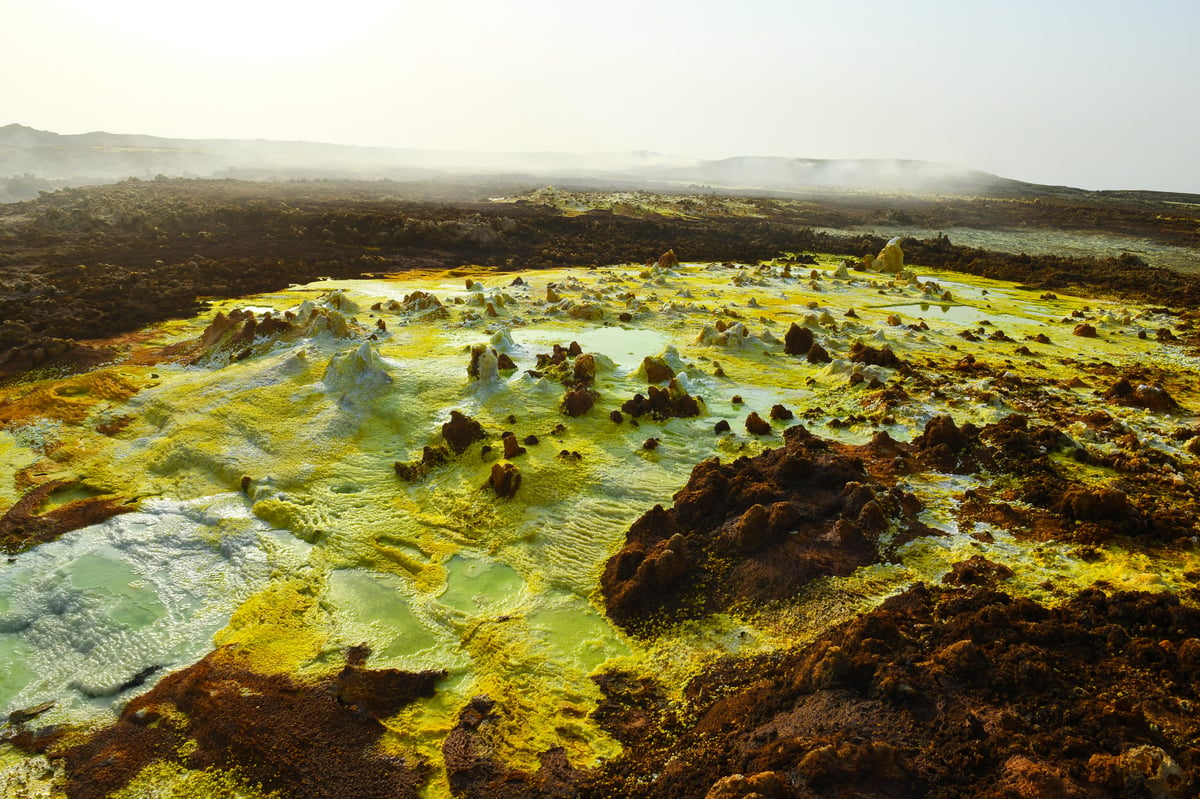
(326, 548)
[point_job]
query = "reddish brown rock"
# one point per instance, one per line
(505, 479)
(578, 400)
(750, 531)
(1097, 504)
(757, 425)
(1084, 330)
(798, 340)
(941, 430)
(477, 770)
(882, 356)
(584, 369)
(298, 739)
(511, 447)
(818, 354)
(415, 470)
(668, 260)
(938, 692)
(1151, 397)
(461, 431)
(662, 403)
(657, 370)
(22, 526)
(977, 570)
(382, 692)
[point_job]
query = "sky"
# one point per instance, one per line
(1094, 94)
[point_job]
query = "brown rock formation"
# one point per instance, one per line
(578, 400)
(818, 354)
(657, 370)
(756, 425)
(505, 479)
(938, 692)
(882, 356)
(750, 531)
(301, 740)
(512, 447)
(476, 771)
(662, 403)
(798, 340)
(461, 431)
(1151, 397)
(23, 526)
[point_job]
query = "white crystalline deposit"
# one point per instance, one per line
(356, 372)
(141, 594)
(503, 342)
(485, 364)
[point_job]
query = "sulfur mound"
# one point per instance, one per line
(890, 259)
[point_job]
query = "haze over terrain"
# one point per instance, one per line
(1091, 95)
(41, 160)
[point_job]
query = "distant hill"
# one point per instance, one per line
(36, 160)
(873, 174)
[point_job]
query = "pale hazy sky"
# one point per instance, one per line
(1095, 93)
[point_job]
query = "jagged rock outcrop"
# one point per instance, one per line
(751, 531)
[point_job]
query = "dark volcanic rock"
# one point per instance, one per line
(753, 530)
(818, 354)
(301, 740)
(511, 447)
(977, 570)
(381, 692)
(476, 771)
(937, 693)
(414, 470)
